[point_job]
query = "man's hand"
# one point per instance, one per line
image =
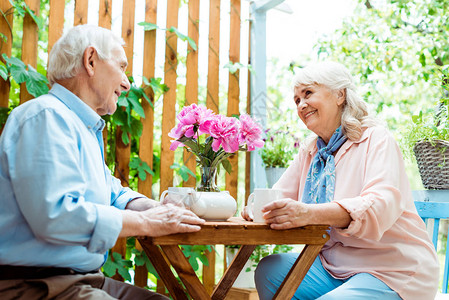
(160, 220)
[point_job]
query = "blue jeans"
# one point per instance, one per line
(318, 283)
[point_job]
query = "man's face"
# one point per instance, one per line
(109, 81)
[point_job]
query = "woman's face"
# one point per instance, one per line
(319, 108)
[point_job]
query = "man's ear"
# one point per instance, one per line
(341, 95)
(90, 57)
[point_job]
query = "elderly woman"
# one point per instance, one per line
(352, 178)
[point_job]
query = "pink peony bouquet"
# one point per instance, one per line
(213, 138)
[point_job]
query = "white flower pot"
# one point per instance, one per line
(245, 280)
(273, 175)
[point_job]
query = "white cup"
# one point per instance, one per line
(184, 196)
(258, 199)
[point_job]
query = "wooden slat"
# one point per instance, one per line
(233, 272)
(209, 271)
(212, 101)
(80, 16)
(231, 233)
(105, 14)
(104, 20)
(128, 11)
(122, 151)
(234, 89)
(248, 111)
(185, 272)
(296, 274)
(163, 269)
(192, 78)
(29, 44)
(6, 27)
(169, 103)
(55, 22)
(146, 140)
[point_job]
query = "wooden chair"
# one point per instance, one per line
(432, 206)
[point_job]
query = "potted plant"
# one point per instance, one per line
(428, 139)
(279, 149)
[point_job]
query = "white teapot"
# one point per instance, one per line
(211, 206)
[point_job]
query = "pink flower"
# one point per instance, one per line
(250, 133)
(225, 131)
(190, 117)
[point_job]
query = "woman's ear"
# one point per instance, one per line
(89, 60)
(341, 96)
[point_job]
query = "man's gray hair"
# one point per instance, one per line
(66, 56)
(336, 77)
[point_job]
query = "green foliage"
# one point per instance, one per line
(115, 263)
(21, 8)
(195, 254)
(150, 26)
(35, 82)
(279, 149)
(430, 124)
(394, 48)
(141, 167)
(131, 110)
(183, 171)
(233, 67)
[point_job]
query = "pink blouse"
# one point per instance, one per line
(386, 237)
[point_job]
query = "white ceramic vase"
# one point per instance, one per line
(273, 175)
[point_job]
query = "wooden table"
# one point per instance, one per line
(235, 231)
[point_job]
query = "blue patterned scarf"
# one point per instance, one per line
(320, 181)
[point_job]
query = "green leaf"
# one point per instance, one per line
(17, 69)
(183, 37)
(190, 143)
(233, 67)
(147, 26)
(36, 88)
(39, 21)
(422, 59)
(226, 165)
(141, 167)
(133, 98)
(3, 72)
(18, 9)
(122, 101)
(36, 83)
(3, 37)
(184, 171)
(125, 138)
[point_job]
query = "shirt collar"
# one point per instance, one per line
(312, 149)
(88, 116)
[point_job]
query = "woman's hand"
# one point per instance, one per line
(286, 213)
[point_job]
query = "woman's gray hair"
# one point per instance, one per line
(336, 77)
(66, 56)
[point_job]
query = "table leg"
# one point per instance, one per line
(232, 272)
(185, 272)
(163, 269)
(297, 272)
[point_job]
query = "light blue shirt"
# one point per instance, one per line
(59, 204)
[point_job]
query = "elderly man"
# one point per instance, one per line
(61, 208)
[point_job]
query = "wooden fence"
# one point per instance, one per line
(55, 29)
